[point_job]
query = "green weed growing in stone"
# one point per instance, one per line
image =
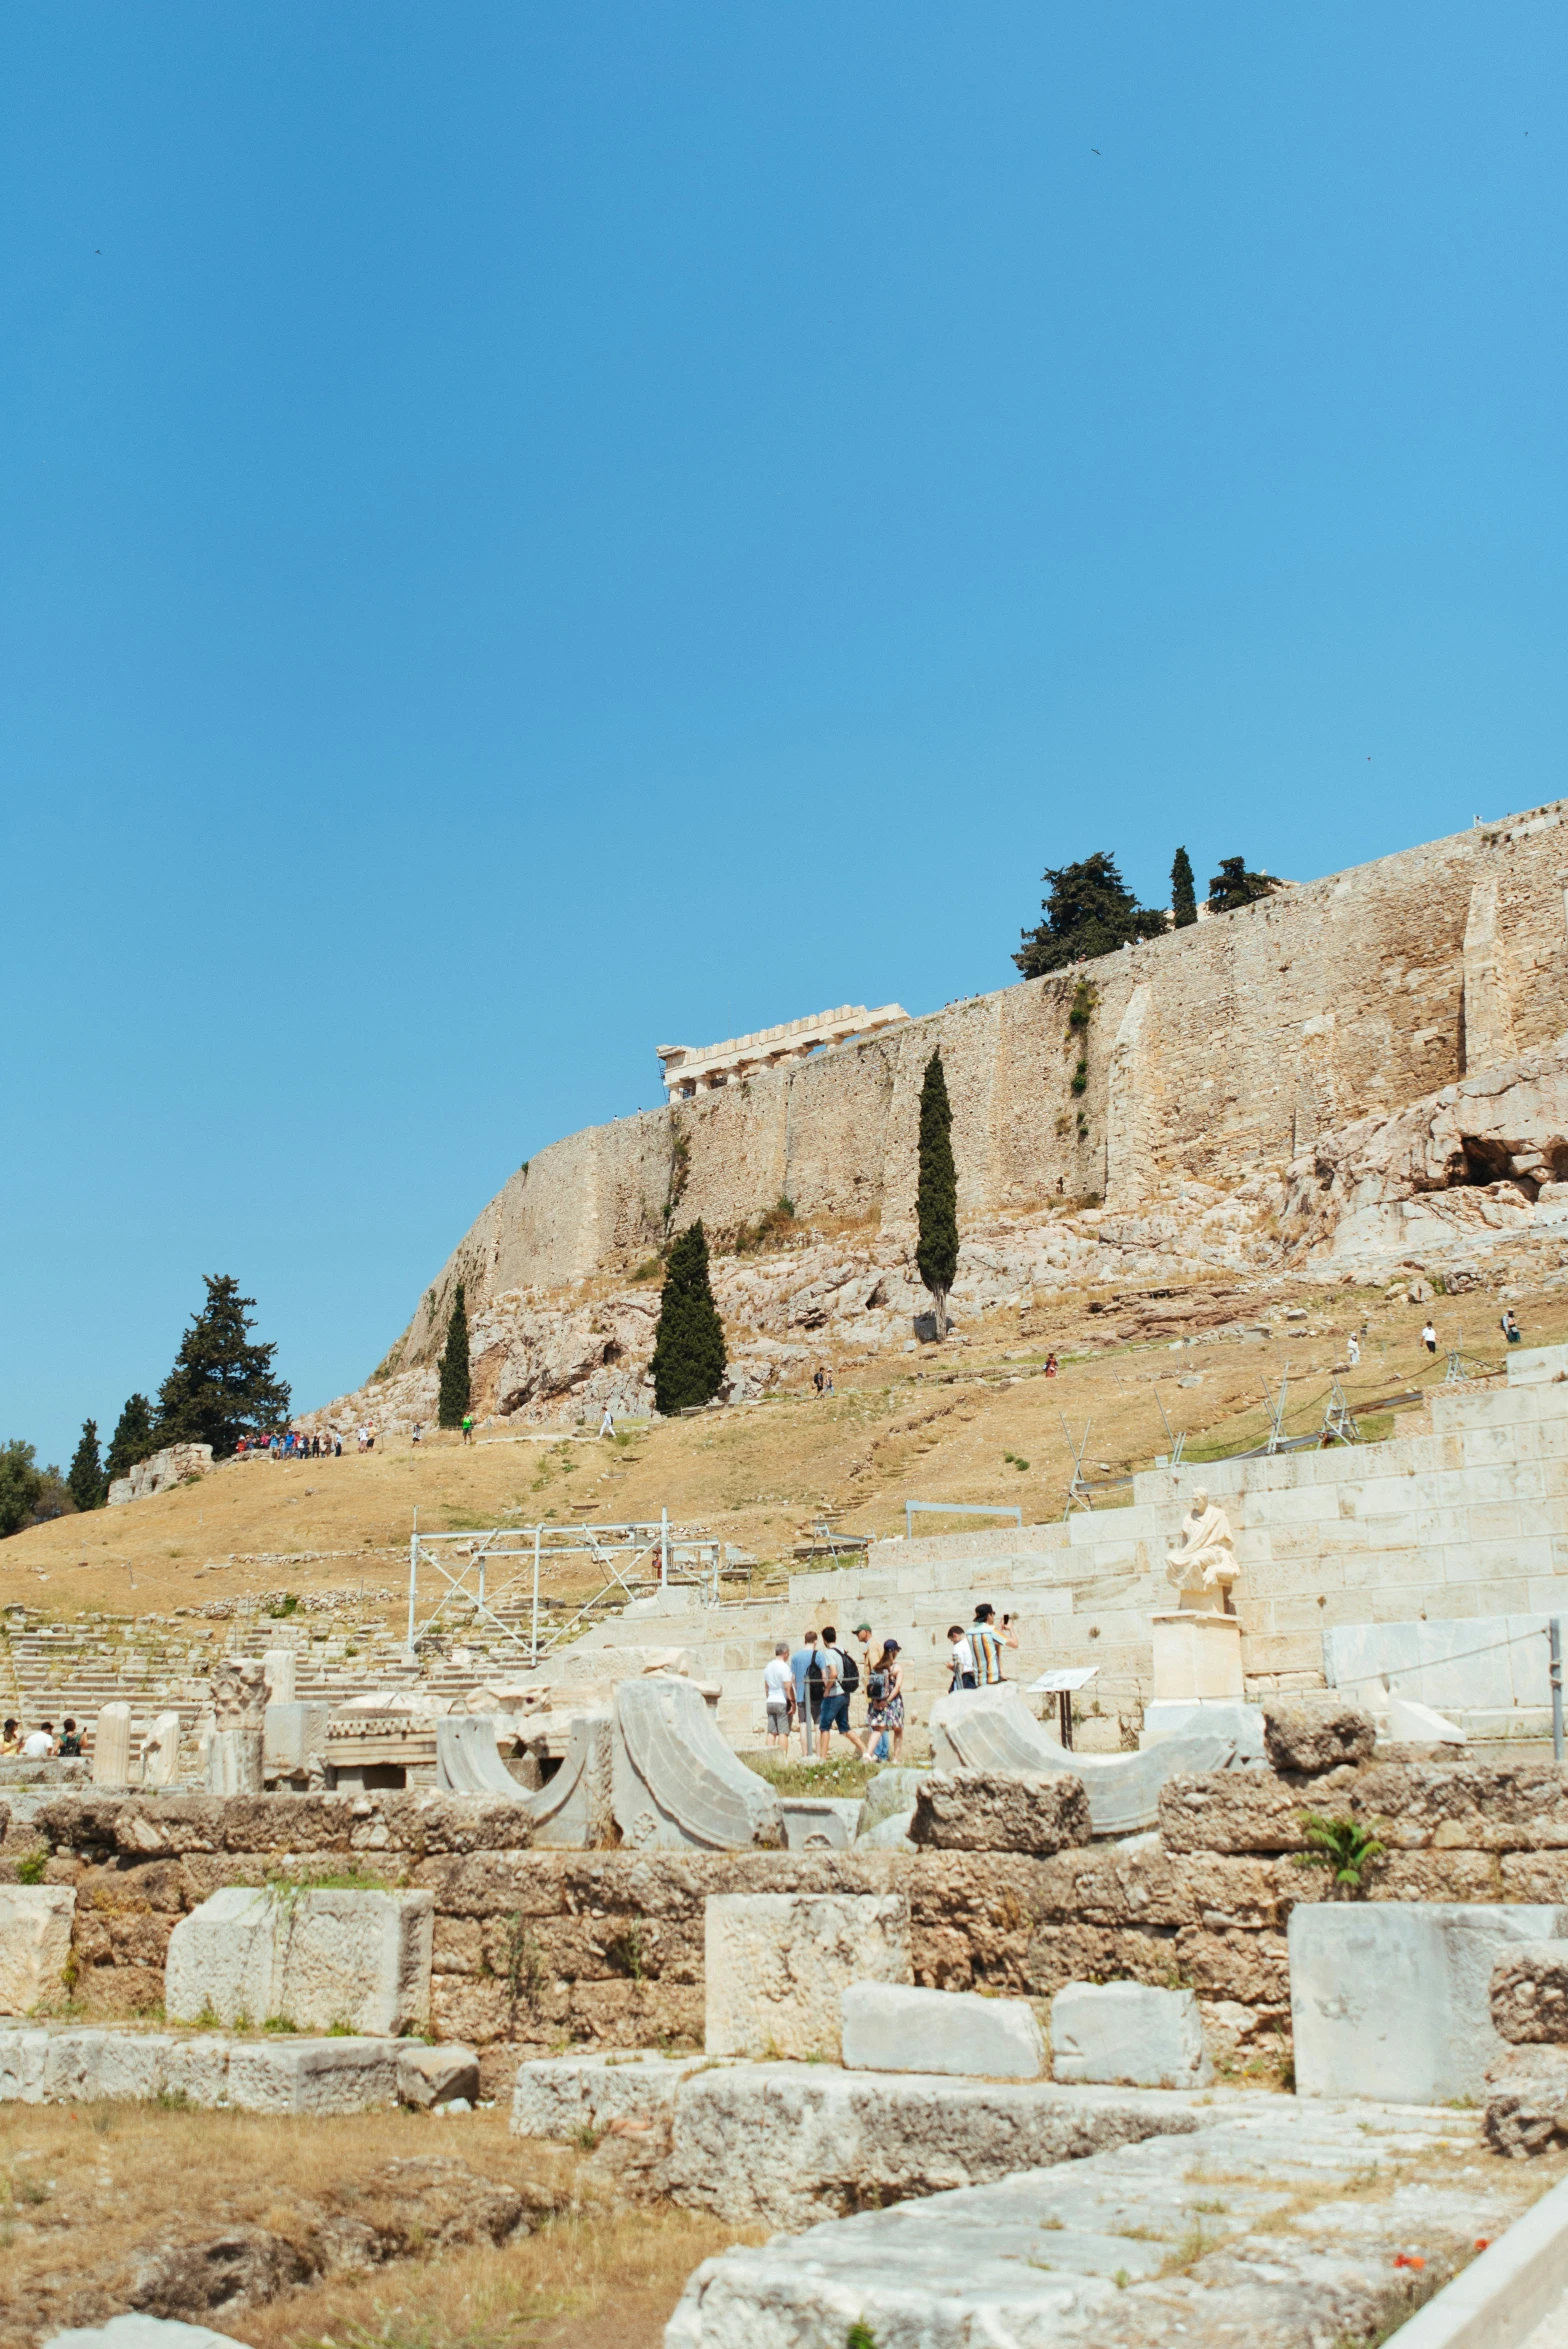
(1346, 1847)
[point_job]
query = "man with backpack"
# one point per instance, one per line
(840, 1679)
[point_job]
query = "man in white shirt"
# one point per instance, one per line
(778, 1689)
(964, 1674)
(38, 1746)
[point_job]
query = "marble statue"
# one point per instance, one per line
(1203, 1565)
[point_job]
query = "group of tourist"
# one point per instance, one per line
(809, 1693)
(293, 1443)
(40, 1744)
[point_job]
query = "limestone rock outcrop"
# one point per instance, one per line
(1484, 1159)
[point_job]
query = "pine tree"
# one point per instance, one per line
(132, 1440)
(222, 1385)
(21, 1486)
(1184, 894)
(936, 1192)
(1089, 910)
(688, 1347)
(456, 1387)
(84, 1478)
(1233, 886)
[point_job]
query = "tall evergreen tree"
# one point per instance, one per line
(1088, 910)
(222, 1385)
(456, 1387)
(688, 1347)
(936, 1192)
(84, 1479)
(1233, 885)
(132, 1439)
(1184, 894)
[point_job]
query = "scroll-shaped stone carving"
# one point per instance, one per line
(675, 1783)
(993, 1729)
(1203, 1564)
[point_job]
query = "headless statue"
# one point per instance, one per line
(1203, 1565)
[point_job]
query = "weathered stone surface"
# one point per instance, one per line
(888, 2027)
(316, 1958)
(35, 1944)
(23, 2055)
(221, 1960)
(1313, 1739)
(675, 1783)
(112, 1745)
(312, 2075)
(1124, 2034)
(889, 1794)
(161, 1752)
(175, 1464)
(777, 1963)
(1392, 2001)
(1527, 2101)
(434, 2075)
(137, 2331)
(992, 1729)
(783, 2145)
(360, 1958)
(985, 1810)
(1529, 1995)
(92, 2067)
(819, 1822)
(1083, 2251)
(1234, 1811)
(294, 1742)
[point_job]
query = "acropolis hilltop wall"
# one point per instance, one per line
(1209, 1052)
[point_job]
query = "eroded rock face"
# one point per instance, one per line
(987, 1810)
(1295, 1737)
(1527, 2107)
(1530, 1996)
(1485, 1158)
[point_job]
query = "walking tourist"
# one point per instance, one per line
(468, 1427)
(70, 1740)
(1510, 1328)
(840, 1679)
(778, 1693)
(806, 1672)
(963, 1660)
(1050, 1366)
(1353, 1349)
(885, 1707)
(1429, 1338)
(418, 1434)
(817, 1378)
(607, 1423)
(38, 1746)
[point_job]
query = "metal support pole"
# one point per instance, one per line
(1064, 1713)
(1555, 1636)
(481, 1578)
(536, 1595)
(413, 1577)
(664, 1547)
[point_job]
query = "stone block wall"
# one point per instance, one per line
(1352, 994)
(538, 1950)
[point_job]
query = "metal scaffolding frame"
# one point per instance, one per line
(636, 1560)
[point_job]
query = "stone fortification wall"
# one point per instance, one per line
(1209, 1052)
(534, 1949)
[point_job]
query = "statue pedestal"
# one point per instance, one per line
(1197, 1655)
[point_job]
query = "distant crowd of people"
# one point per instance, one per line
(40, 1744)
(293, 1443)
(809, 1693)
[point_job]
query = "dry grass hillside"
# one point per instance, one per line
(978, 1422)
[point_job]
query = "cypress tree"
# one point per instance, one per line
(456, 1388)
(688, 1348)
(1184, 894)
(936, 1192)
(132, 1439)
(84, 1479)
(222, 1385)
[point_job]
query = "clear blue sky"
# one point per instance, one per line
(533, 532)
